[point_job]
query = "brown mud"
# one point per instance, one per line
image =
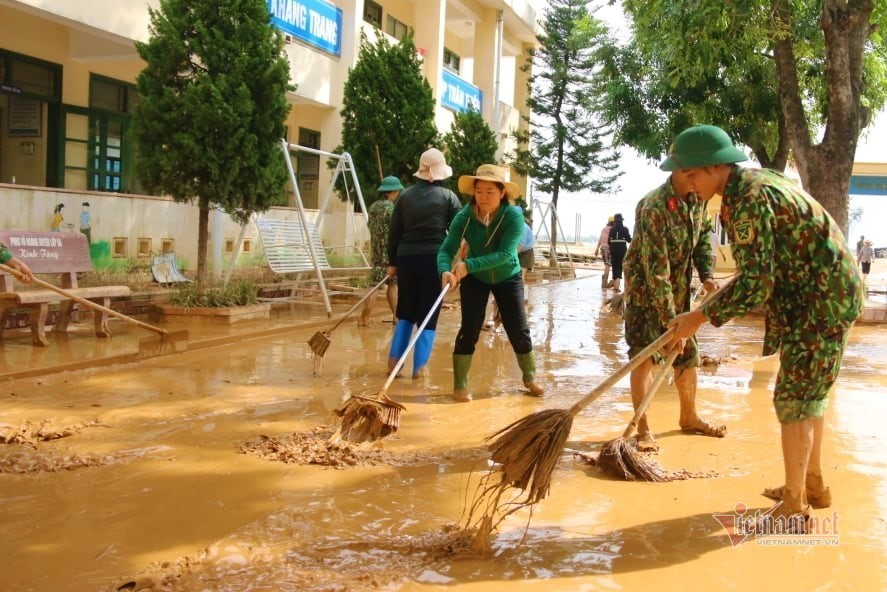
(213, 469)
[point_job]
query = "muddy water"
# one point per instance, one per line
(162, 498)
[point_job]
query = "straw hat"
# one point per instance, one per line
(488, 172)
(433, 166)
(868, 242)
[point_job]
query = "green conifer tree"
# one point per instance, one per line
(567, 147)
(469, 144)
(387, 113)
(213, 108)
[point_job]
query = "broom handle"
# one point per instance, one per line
(83, 301)
(359, 302)
(648, 398)
(641, 357)
(413, 341)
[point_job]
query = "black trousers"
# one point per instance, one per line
(509, 295)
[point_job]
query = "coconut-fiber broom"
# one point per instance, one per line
(320, 341)
(365, 419)
(619, 457)
(527, 451)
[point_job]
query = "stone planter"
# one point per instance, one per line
(222, 316)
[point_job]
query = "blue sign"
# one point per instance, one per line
(315, 22)
(868, 185)
(458, 95)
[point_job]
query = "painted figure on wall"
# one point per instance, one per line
(86, 222)
(57, 218)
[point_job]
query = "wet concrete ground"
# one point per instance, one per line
(170, 493)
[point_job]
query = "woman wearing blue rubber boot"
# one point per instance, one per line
(419, 223)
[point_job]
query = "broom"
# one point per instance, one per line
(366, 419)
(619, 457)
(320, 341)
(528, 450)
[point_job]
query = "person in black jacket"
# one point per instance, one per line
(419, 223)
(618, 241)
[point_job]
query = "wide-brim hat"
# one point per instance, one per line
(433, 166)
(699, 146)
(489, 172)
(390, 184)
(867, 242)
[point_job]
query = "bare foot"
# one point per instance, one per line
(647, 443)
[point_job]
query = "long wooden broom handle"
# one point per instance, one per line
(413, 340)
(648, 398)
(641, 357)
(358, 303)
(18, 275)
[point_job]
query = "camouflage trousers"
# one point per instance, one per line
(807, 371)
(642, 328)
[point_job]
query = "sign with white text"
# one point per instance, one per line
(458, 95)
(316, 22)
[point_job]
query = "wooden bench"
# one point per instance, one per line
(63, 254)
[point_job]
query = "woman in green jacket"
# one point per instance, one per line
(486, 234)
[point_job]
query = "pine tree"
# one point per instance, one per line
(566, 147)
(387, 113)
(213, 108)
(469, 144)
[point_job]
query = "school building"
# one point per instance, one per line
(67, 96)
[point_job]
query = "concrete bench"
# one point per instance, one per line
(62, 255)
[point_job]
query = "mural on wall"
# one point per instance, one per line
(86, 222)
(57, 218)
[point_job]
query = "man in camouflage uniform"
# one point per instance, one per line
(7, 258)
(379, 222)
(671, 237)
(794, 260)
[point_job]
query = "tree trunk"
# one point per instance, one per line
(552, 261)
(825, 168)
(202, 240)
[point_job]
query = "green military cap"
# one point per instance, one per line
(701, 145)
(390, 184)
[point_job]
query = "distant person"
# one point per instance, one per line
(492, 231)
(603, 248)
(865, 258)
(859, 245)
(7, 258)
(419, 223)
(618, 240)
(379, 224)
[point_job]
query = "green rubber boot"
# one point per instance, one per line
(527, 363)
(461, 366)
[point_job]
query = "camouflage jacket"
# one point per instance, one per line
(792, 258)
(671, 237)
(5, 255)
(379, 221)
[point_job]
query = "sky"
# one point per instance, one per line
(590, 211)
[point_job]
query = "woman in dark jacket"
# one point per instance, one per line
(618, 241)
(419, 223)
(491, 230)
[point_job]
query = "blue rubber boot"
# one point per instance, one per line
(402, 333)
(422, 353)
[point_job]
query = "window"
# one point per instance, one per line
(308, 164)
(144, 247)
(372, 13)
(111, 105)
(120, 246)
(451, 61)
(395, 28)
(34, 78)
(167, 246)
